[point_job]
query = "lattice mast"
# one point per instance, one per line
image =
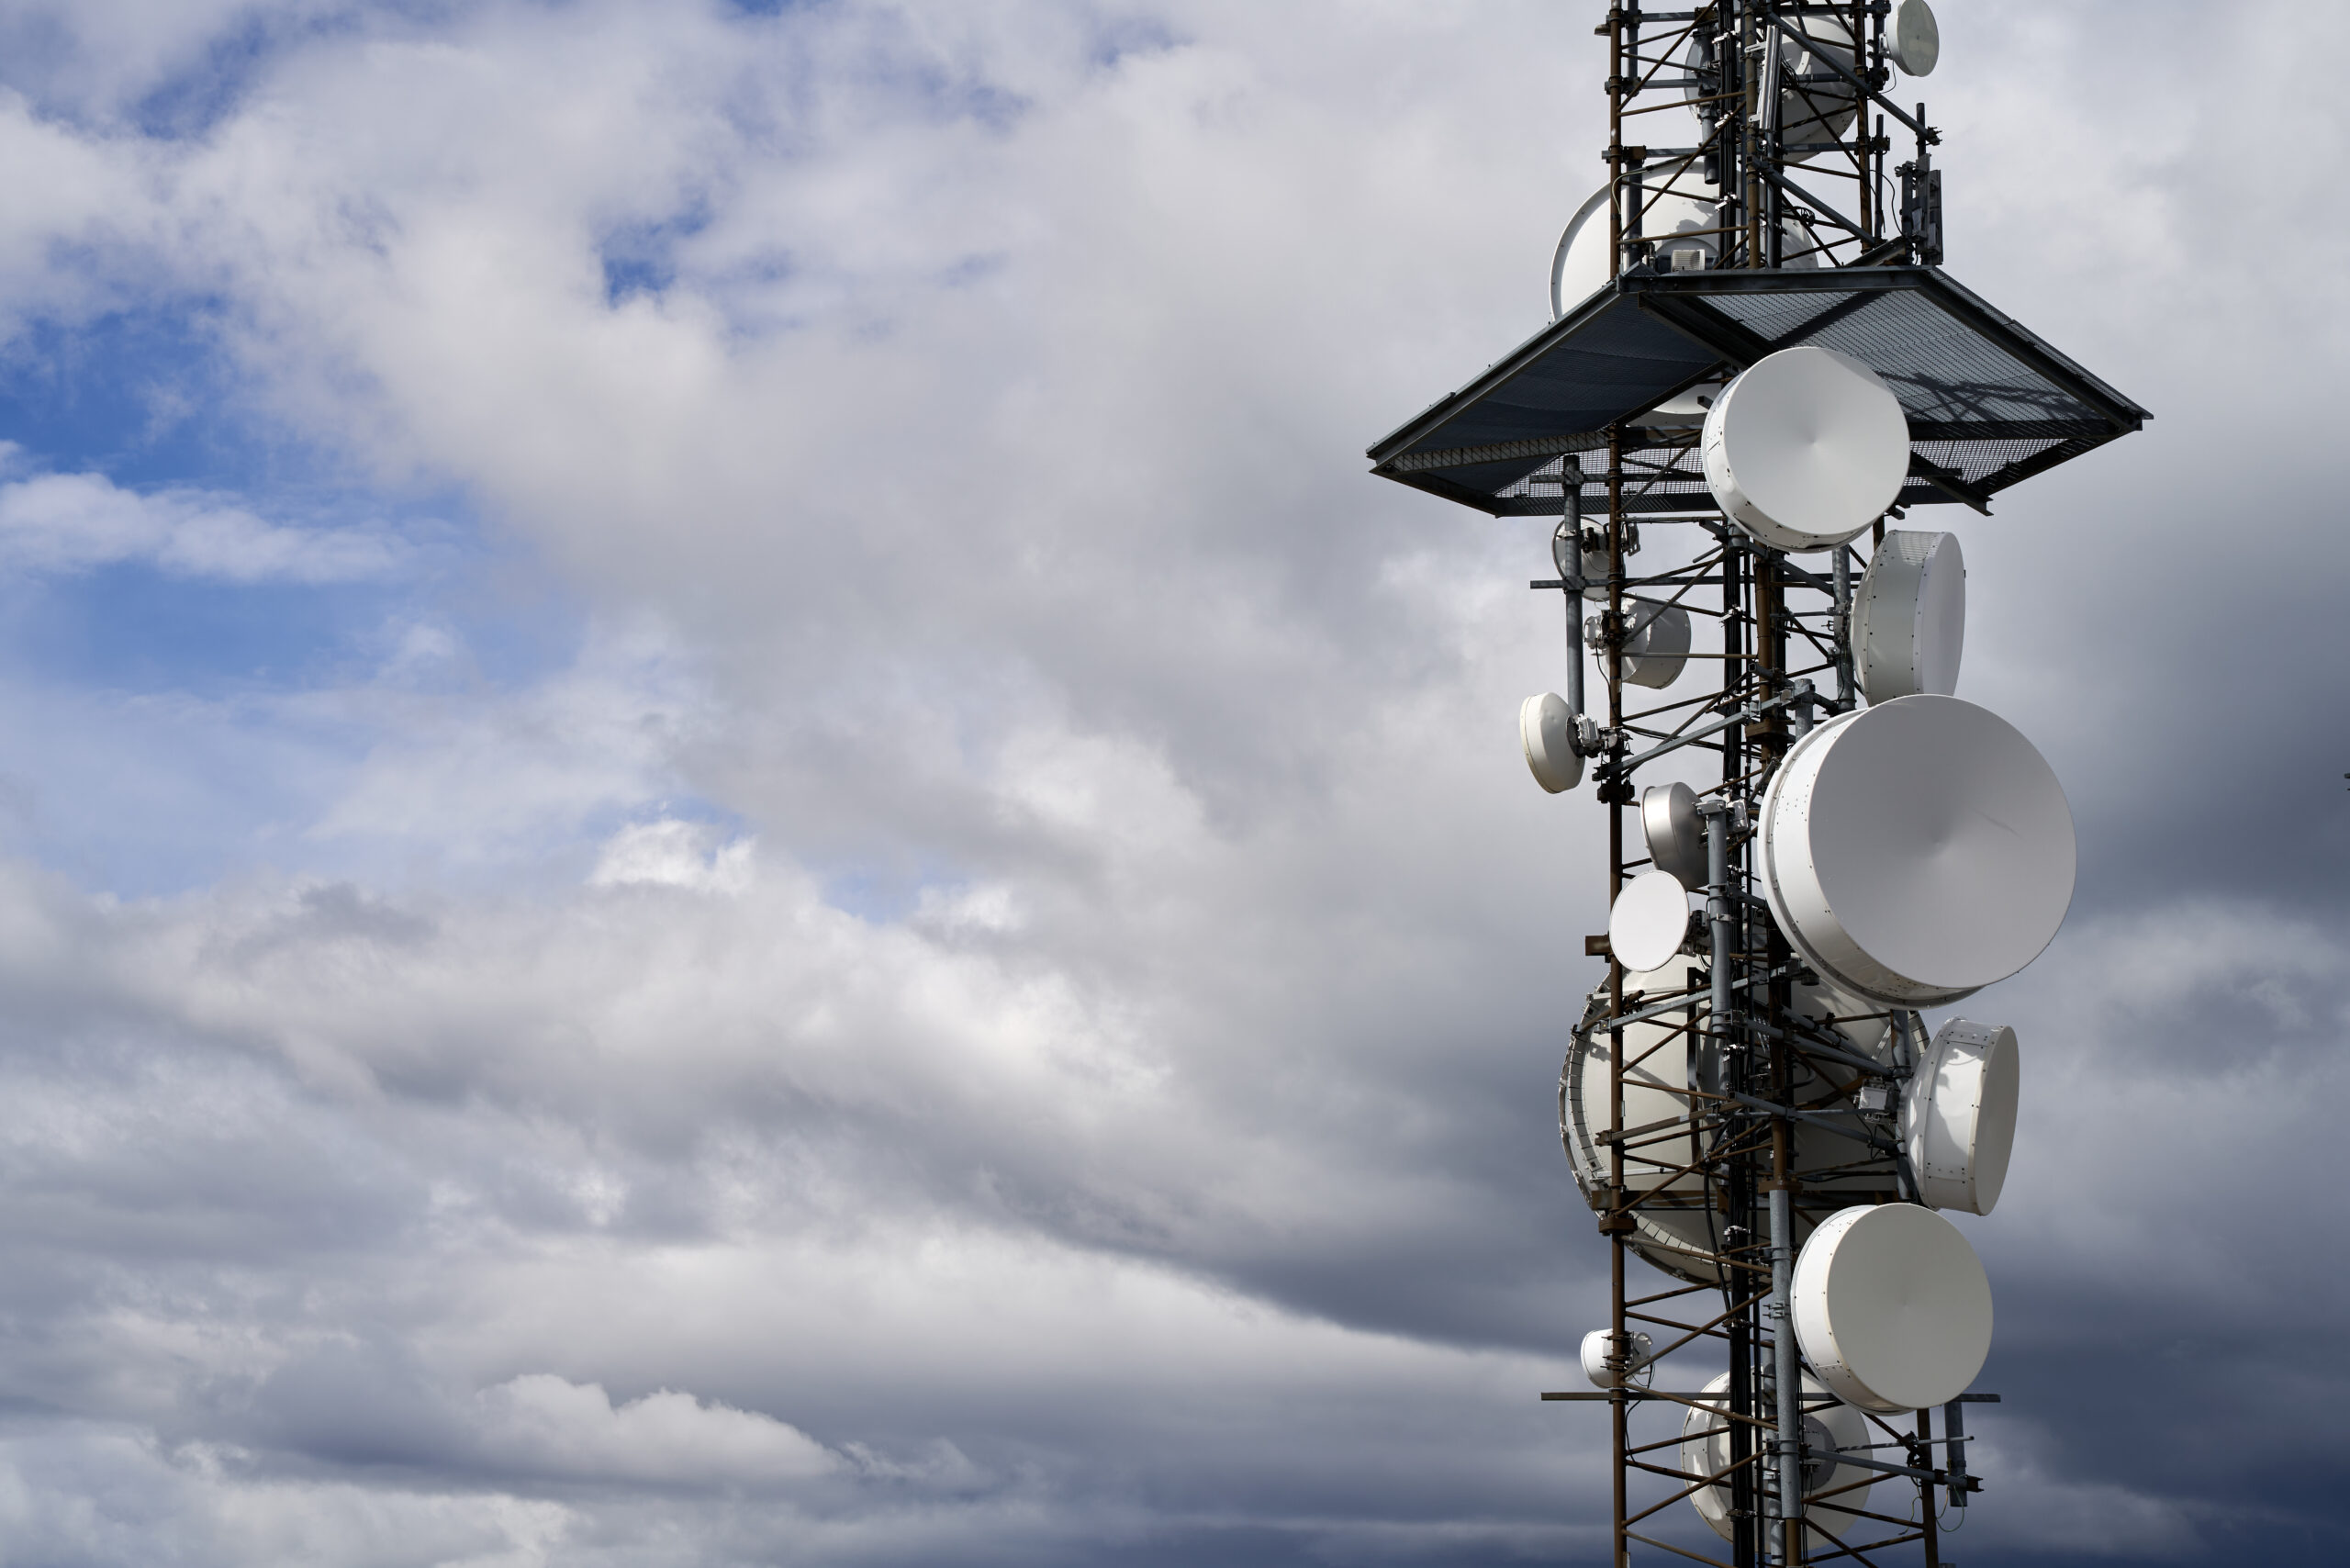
(1733, 1109)
(1791, 152)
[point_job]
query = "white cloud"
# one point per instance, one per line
(70, 523)
(672, 853)
(542, 1422)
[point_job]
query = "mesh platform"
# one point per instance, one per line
(1989, 404)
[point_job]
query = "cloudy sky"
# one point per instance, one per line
(730, 832)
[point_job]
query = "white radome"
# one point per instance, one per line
(1675, 833)
(1892, 1307)
(1910, 617)
(1546, 728)
(1656, 643)
(1806, 448)
(1916, 38)
(1649, 920)
(1705, 1451)
(1916, 852)
(1600, 1343)
(1958, 1116)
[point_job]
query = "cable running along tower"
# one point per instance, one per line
(1756, 359)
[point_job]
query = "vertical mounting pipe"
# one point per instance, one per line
(1953, 1429)
(1712, 1066)
(1786, 1372)
(1569, 561)
(1925, 1461)
(1843, 630)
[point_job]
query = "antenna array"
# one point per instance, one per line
(1756, 358)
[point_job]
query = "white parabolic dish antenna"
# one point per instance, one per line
(1656, 643)
(1916, 38)
(1705, 1451)
(1891, 1308)
(1909, 616)
(1958, 1116)
(1649, 921)
(1675, 833)
(1806, 448)
(1916, 852)
(1546, 731)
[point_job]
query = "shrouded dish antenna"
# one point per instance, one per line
(1806, 448)
(1910, 617)
(1892, 1307)
(1958, 1116)
(1916, 38)
(1916, 852)
(1546, 728)
(1649, 921)
(1675, 833)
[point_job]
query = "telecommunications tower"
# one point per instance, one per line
(1756, 359)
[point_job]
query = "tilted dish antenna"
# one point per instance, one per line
(1910, 617)
(1656, 642)
(1546, 731)
(1958, 1116)
(1675, 833)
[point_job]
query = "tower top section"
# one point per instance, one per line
(1754, 202)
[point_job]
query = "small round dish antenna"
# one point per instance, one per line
(1546, 728)
(1909, 616)
(1891, 1308)
(1656, 642)
(1806, 448)
(1675, 833)
(1828, 1428)
(1599, 1345)
(1916, 852)
(1649, 921)
(1958, 1116)
(1916, 38)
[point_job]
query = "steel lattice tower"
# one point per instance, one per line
(1810, 229)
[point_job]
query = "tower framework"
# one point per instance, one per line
(1719, 1108)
